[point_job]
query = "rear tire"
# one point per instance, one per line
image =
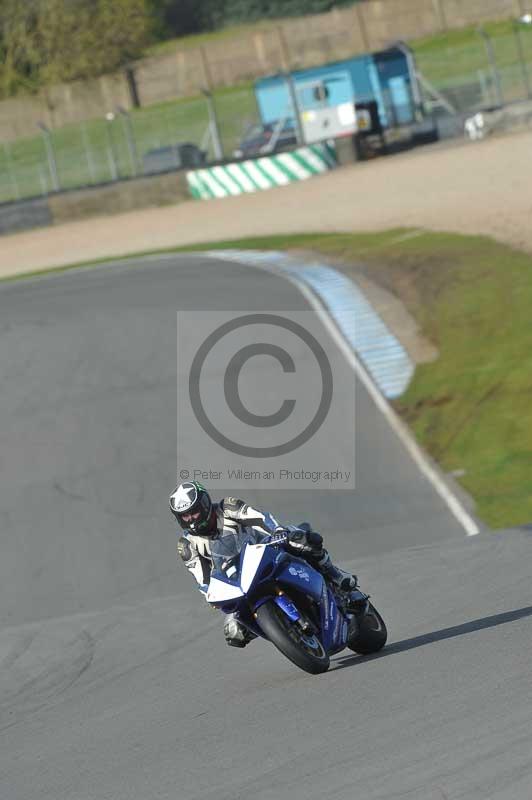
(370, 633)
(304, 650)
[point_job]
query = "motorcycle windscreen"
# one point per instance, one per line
(228, 546)
(299, 575)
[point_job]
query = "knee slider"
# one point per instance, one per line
(235, 634)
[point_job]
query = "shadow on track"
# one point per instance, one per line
(438, 636)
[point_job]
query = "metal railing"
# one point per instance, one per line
(494, 71)
(122, 143)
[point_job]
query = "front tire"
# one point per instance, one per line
(370, 634)
(302, 649)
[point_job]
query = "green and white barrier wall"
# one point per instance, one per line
(259, 174)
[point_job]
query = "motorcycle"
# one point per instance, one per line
(281, 598)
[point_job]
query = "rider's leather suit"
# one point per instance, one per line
(233, 516)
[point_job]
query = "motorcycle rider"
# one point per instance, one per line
(203, 521)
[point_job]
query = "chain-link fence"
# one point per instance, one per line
(123, 144)
(119, 144)
(487, 72)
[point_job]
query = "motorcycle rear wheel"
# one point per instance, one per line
(302, 649)
(370, 633)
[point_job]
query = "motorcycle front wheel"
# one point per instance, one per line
(302, 648)
(369, 634)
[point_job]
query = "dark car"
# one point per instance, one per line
(260, 140)
(178, 156)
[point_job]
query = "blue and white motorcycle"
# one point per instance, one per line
(283, 599)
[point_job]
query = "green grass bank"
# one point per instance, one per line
(96, 151)
(471, 409)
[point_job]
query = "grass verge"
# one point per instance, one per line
(471, 409)
(87, 153)
(93, 152)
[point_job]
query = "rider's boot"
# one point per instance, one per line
(357, 602)
(309, 544)
(338, 577)
(236, 634)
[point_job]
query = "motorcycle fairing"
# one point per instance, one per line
(334, 625)
(286, 605)
(252, 557)
(261, 563)
(297, 574)
(221, 591)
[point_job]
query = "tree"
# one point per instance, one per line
(50, 41)
(17, 51)
(122, 29)
(181, 17)
(47, 41)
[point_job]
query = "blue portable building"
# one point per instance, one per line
(383, 77)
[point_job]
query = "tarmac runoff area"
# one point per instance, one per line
(115, 680)
(467, 187)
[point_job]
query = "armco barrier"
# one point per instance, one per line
(112, 198)
(24, 214)
(262, 173)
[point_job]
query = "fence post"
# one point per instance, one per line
(440, 14)
(260, 51)
(283, 49)
(130, 138)
(214, 126)
(484, 88)
(50, 155)
(42, 178)
(522, 61)
(133, 89)
(362, 27)
(111, 155)
(206, 68)
(11, 171)
(493, 64)
(300, 133)
(88, 153)
(181, 73)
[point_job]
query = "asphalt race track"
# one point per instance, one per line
(115, 682)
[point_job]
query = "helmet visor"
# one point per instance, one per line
(191, 516)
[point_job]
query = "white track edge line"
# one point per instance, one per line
(455, 506)
(467, 522)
